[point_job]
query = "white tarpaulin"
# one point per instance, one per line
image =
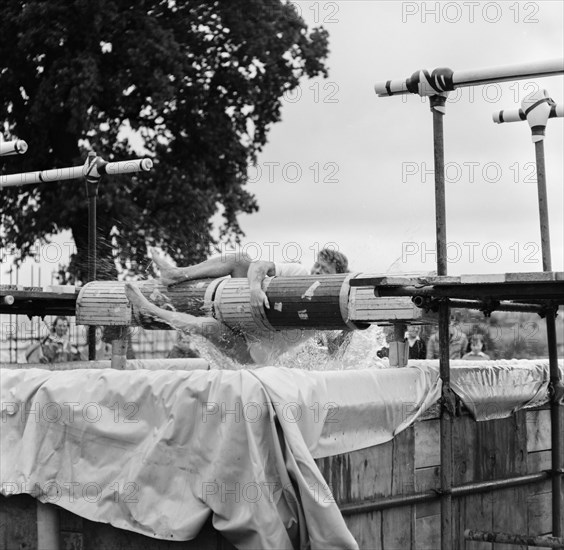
(496, 389)
(157, 452)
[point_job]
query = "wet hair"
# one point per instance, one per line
(338, 259)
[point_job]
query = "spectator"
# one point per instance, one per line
(458, 341)
(56, 346)
(103, 349)
(417, 348)
(476, 347)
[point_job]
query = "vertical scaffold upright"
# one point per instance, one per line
(436, 85)
(536, 108)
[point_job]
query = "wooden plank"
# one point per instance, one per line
(103, 536)
(366, 530)
(480, 279)
(510, 514)
(365, 306)
(427, 479)
(502, 452)
(538, 430)
(71, 527)
(398, 524)
(428, 531)
(538, 461)
(536, 276)
(539, 513)
(369, 280)
(430, 508)
(71, 540)
(464, 450)
(427, 444)
(360, 475)
(475, 512)
(18, 522)
(464, 471)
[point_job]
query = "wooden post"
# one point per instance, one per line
(48, 537)
(538, 108)
(399, 348)
(556, 424)
(119, 347)
(92, 193)
(438, 109)
(446, 419)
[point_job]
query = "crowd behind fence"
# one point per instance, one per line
(19, 335)
(522, 338)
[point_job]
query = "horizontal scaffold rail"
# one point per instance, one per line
(321, 302)
(75, 172)
(443, 80)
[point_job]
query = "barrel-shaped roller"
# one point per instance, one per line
(323, 302)
(105, 303)
(308, 302)
(231, 305)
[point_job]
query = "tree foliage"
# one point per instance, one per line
(195, 85)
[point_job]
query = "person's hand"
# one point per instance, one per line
(259, 302)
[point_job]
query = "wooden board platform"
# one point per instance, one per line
(38, 301)
(527, 287)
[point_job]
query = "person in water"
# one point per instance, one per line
(260, 346)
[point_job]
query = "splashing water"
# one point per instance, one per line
(358, 351)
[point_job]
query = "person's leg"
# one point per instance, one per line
(228, 342)
(206, 326)
(234, 264)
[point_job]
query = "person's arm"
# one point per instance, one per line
(256, 275)
(48, 351)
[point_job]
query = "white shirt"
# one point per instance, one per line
(289, 270)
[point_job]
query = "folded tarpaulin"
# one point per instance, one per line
(343, 411)
(503, 387)
(158, 452)
(492, 390)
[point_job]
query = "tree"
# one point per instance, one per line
(197, 83)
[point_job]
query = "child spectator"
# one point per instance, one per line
(476, 349)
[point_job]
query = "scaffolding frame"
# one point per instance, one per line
(436, 86)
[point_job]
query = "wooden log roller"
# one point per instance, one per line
(326, 302)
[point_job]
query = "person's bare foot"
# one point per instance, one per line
(141, 306)
(159, 299)
(169, 273)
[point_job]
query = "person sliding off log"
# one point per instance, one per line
(260, 347)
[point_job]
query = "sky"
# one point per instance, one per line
(352, 170)
(347, 169)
